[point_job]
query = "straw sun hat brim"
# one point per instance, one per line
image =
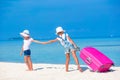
(24, 35)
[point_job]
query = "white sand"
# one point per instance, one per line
(17, 71)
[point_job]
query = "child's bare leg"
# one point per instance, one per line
(67, 61)
(76, 60)
(26, 61)
(30, 64)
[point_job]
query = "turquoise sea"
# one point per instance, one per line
(54, 53)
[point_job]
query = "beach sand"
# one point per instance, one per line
(17, 71)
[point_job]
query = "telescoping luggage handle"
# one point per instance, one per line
(88, 60)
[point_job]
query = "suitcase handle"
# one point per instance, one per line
(88, 60)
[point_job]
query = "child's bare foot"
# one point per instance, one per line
(80, 69)
(67, 71)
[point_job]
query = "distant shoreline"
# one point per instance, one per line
(20, 38)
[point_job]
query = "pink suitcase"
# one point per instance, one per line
(96, 60)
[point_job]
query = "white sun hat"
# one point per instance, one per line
(25, 33)
(59, 29)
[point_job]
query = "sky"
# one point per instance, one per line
(79, 18)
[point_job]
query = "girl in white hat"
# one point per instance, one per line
(26, 48)
(68, 44)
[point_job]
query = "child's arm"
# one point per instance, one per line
(21, 51)
(50, 41)
(36, 41)
(71, 41)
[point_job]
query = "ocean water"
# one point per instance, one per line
(54, 53)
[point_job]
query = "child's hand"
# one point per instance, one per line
(77, 48)
(43, 42)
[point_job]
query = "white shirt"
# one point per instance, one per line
(63, 37)
(27, 43)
